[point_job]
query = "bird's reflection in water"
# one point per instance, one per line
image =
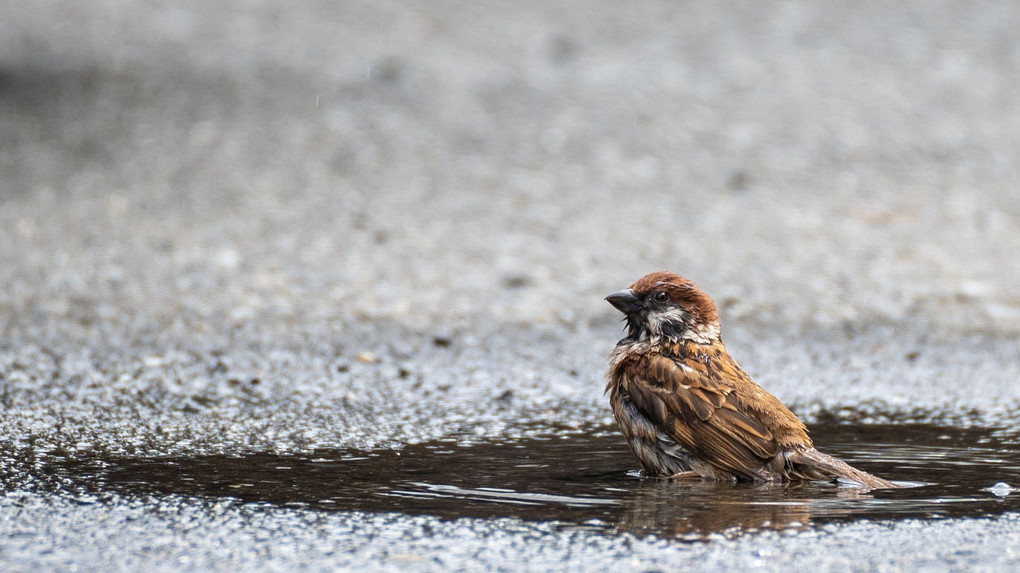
(681, 508)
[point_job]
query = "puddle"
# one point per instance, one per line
(587, 480)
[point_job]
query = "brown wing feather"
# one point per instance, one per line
(703, 415)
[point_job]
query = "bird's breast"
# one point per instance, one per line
(658, 454)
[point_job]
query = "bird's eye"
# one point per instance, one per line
(660, 296)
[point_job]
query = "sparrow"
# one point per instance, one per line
(686, 408)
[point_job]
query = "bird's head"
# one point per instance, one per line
(665, 306)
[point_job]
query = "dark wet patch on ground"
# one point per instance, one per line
(583, 479)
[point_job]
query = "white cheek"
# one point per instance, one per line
(682, 328)
(655, 320)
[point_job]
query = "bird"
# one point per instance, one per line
(687, 409)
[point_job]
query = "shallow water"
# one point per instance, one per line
(586, 479)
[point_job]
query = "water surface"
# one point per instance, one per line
(587, 479)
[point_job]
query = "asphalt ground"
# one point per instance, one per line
(233, 228)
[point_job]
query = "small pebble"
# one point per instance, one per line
(1001, 489)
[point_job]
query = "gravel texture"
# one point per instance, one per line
(236, 227)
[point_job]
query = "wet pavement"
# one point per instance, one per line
(321, 286)
(566, 500)
(584, 479)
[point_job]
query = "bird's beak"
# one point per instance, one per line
(625, 301)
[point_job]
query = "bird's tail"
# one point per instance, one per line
(812, 464)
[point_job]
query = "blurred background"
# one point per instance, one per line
(377, 204)
(259, 166)
(257, 226)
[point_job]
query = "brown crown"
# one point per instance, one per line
(681, 292)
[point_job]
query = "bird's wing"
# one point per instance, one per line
(698, 408)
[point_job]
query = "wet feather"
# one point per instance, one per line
(672, 374)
